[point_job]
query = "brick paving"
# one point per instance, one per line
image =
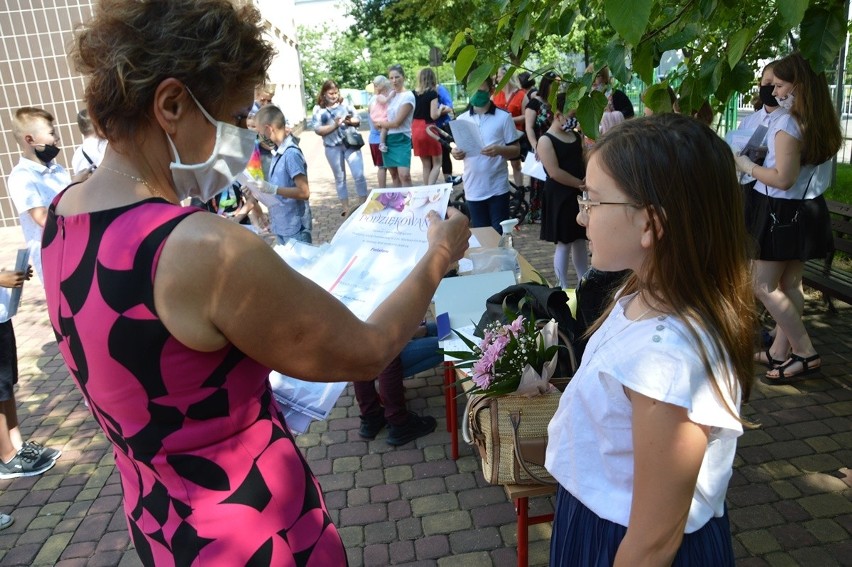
(790, 499)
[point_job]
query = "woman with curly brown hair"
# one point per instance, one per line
(140, 293)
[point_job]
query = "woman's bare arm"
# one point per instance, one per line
(788, 154)
(217, 283)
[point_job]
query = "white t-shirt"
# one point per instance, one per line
(32, 185)
(590, 445)
(747, 127)
(94, 148)
(484, 176)
(394, 106)
(814, 178)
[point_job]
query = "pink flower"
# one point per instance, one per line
(482, 380)
(517, 325)
(393, 200)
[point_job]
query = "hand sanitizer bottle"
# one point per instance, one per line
(508, 226)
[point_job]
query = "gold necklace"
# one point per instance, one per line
(153, 191)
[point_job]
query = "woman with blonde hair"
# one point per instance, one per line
(643, 441)
(141, 296)
(427, 109)
(786, 212)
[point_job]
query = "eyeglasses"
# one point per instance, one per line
(586, 204)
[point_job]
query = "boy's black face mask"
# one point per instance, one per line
(766, 95)
(46, 155)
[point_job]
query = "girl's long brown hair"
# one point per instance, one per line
(681, 171)
(812, 108)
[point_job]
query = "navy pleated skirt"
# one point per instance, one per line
(582, 539)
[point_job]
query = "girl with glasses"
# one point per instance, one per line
(644, 438)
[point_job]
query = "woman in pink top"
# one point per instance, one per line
(174, 365)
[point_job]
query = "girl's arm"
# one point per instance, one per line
(547, 155)
(668, 451)
(401, 114)
(529, 121)
(788, 153)
(434, 109)
(327, 129)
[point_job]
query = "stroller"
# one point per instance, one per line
(518, 207)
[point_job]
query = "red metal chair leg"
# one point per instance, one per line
(452, 413)
(522, 510)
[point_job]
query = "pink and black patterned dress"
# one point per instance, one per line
(210, 472)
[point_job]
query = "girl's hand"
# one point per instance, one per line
(10, 278)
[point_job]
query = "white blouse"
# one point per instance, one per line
(590, 446)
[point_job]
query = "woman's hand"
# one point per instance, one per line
(457, 154)
(744, 164)
(451, 234)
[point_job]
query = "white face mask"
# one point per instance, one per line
(786, 102)
(233, 148)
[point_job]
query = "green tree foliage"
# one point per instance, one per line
(721, 40)
(353, 59)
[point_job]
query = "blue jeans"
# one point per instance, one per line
(303, 235)
(489, 212)
(337, 156)
(421, 354)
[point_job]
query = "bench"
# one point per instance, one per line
(822, 274)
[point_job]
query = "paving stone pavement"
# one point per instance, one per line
(790, 500)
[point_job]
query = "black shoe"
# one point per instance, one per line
(415, 427)
(371, 425)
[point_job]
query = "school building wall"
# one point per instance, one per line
(35, 71)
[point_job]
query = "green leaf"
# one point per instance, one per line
(707, 73)
(521, 33)
(629, 19)
(464, 60)
(707, 7)
(589, 113)
(616, 58)
(792, 11)
(823, 32)
(643, 61)
(680, 39)
(573, 93)
(456, 44)
(691, 98)
(718, 74)
(478, 75)
(566, 21)
(509, 73)
(657, 98)
(737, 44)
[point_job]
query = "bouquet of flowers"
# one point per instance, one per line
(513, 358)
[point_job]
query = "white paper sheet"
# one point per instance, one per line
(533, 167)
(369, 256)
(466, 136)
(10, 298)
